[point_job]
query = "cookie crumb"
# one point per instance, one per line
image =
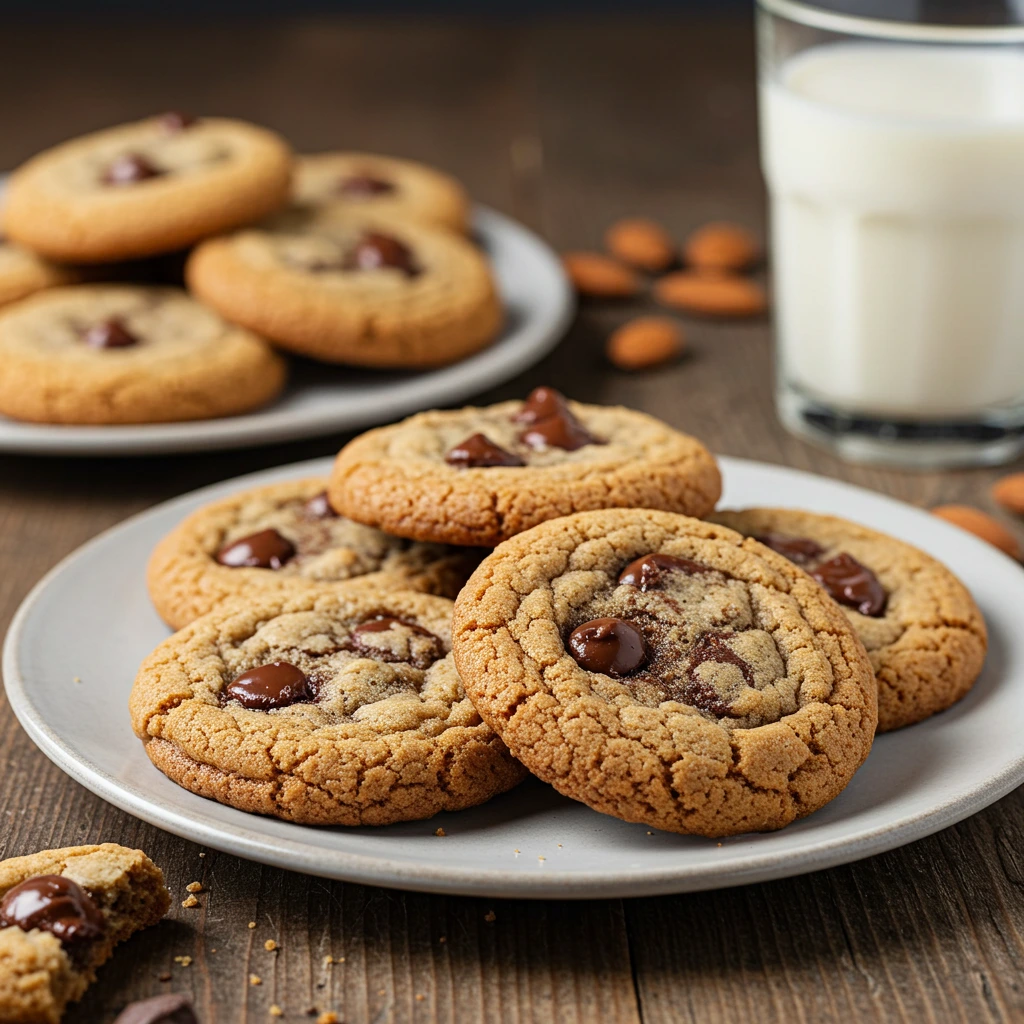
(252, 924)
(559, 845)
(382, 991)
(440, 832)
(718, 844)
(443, 939)
(539, 857)
(76, 679)
(214, 950)
(328, 1018)
(164, 976)
(270, 945)
(183, 960)
(190, 902)
(650, 833)
(255, 979)
(194, 887)
(490, 916)
(275, 1010)
(201, 854)
(516, 852)
(420, 997)
(328, 960)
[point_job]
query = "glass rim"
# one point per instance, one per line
(879, 28)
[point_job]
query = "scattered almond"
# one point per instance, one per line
(719, 295)
(982, 525)
(600, 276)
(645, 342)
(1009, 492)
(641, 243)
(720, 246)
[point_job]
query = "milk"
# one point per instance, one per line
(897, 182)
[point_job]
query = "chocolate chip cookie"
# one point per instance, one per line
(370, 183)
(62, 912)
(923, 632)
(128, 354)
(478, 476)
(23, 273)
(286, 539)
(666, 670)
(332, 709)
(144, 188)
(352, 288)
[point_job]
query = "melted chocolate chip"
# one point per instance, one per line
(264, 550)
(477, 451)
(801, 550)
(128, 169)
(699, 693)
(375, 251)
(542, 403)
(364, 186)
(561, 431)
(174, 121)
(647, 572)
(383, 624)
(319, 507)
(276, 685)
(612, 646)
(110, 333)
(53, 904)
(852, 584)
(171, 1008)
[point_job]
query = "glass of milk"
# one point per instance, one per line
(894, 157)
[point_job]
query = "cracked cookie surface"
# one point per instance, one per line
(147, 187)
(924, 634)
(229, 549)
(354, 288)
(336, 709)
(370, 183)
(62, 912)
(480, 475)
(128, 354)
(666, 670)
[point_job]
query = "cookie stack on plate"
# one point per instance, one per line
(342, 257)
(702, 675)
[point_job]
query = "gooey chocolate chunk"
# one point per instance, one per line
(275, 685)
(130, 168)
(852, 584)
(801, 550)
(53, 903)
(612, 646)
(171, 1008)
(375, 251)
(648, 572)
(173, 121)
(364, 186)
(422, 658)
(699, 693)
(478, 451)
(542, 403)
(110, 333)
(562, 431)
(319, 507)
(266, 549)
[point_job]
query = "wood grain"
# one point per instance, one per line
(565, 125)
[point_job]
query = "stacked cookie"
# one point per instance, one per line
(702, 676)
(342, 257)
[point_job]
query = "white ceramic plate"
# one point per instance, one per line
(322, 399)
(90, 618)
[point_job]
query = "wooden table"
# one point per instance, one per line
(565, 126)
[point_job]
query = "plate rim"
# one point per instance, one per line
(458, 381)
(293, 854)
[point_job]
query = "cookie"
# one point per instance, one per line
(366, 182)
(147, 187)
(62, 912)
(923, 632)
(329, 709)
(351, 288)
(286, 540)
(23, 273)
(666, 670)
(128, 354)
(478, 476)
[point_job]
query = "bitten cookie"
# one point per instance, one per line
(330, 709)
(23, 273)
(923, 632)
(478, 476)
(350, 288)
(286, 540)
(146, 187)
(128, 354)
(62, 912)
(667, 671)
(370, 183)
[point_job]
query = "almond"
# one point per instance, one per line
(645, 342)
(641, 243)
(722, 295)
(981, 524)
(1009, 492)
(721, 246)
(600, 276)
